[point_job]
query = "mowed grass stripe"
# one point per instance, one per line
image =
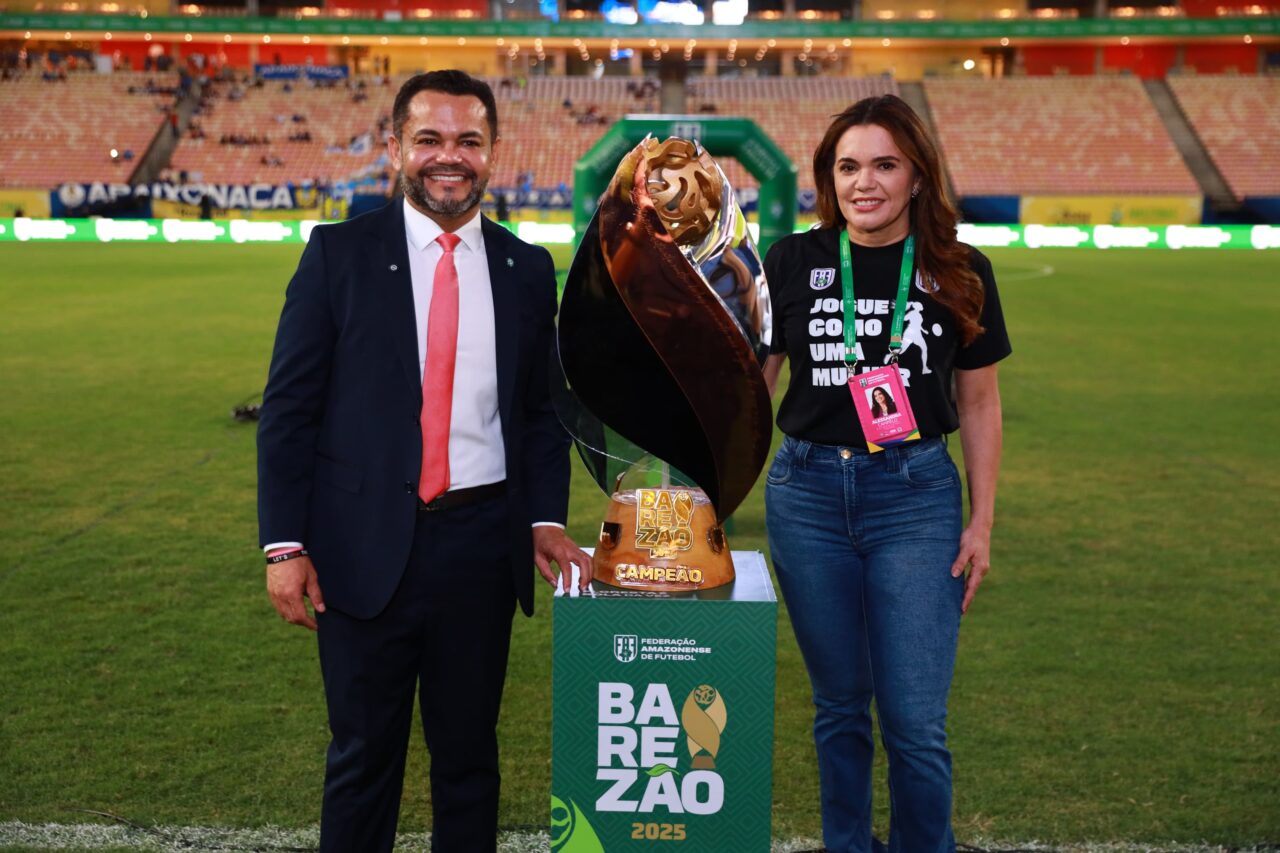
(1117, 676)
(17, 837)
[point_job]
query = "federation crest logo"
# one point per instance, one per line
(926, 285)
(625, 647)
(821, 279)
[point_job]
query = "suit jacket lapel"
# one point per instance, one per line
(503, 279)
(394, 281)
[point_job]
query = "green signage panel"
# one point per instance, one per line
(1089, 28)
(232, 231)
(663, 718)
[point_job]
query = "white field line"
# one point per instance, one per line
(1023, 272)
(94, 836)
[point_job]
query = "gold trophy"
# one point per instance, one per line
(664, 324)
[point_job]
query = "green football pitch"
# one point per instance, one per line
(1118, 679)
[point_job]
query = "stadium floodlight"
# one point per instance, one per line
(664, 12)
(728, 12)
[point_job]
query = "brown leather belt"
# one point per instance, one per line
(461, 497)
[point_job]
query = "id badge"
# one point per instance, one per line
(883, 408)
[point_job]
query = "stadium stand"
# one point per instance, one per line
(1054, 135)
(341, 123)
(57, 131)
(793, 111)
(546, 124)
(1238, 120)
(549, 122)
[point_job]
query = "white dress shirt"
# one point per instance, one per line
(476, 455)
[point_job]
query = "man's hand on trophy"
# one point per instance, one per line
(552, 545)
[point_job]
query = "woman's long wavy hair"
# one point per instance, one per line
(932, 217)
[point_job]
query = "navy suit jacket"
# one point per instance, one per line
(339, 443)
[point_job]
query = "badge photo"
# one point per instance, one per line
(883, 407)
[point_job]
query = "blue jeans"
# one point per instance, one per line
(862, 545)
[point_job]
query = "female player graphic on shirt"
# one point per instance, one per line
(913, 335)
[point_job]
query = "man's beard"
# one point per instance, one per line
(416, 192)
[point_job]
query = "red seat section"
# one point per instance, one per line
(334, 117)
(548, 123)
(1238, 120)
(793, 111)
(1055, 136)
(58, 131)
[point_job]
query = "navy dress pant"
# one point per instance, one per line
(444, 636)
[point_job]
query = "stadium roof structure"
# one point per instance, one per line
(1181, 29)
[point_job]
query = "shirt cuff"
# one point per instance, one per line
(548, 524)
(275, 545)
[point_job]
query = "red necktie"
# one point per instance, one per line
(437, 376)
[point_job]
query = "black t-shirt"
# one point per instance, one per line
(803, 271)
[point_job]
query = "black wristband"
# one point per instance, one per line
(287, 555)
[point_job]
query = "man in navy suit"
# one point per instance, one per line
(411, 467)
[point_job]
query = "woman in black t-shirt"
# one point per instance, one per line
(870, 548)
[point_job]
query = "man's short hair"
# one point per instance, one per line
(450, 82)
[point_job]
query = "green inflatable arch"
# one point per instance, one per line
(739, 137)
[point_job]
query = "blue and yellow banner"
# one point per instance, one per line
(1111, 210)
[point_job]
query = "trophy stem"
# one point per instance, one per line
(666, 475)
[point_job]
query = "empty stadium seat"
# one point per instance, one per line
(53, 132)
(1055, 136)
(1238, 120)
(333, 118)
(793, 111)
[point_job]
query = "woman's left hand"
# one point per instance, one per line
(975, 555)
(981, 434)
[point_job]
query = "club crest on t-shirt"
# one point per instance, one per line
(926, 285)
(821, 279)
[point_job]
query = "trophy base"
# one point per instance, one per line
(662, 540)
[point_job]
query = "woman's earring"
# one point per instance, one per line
(915, 191)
